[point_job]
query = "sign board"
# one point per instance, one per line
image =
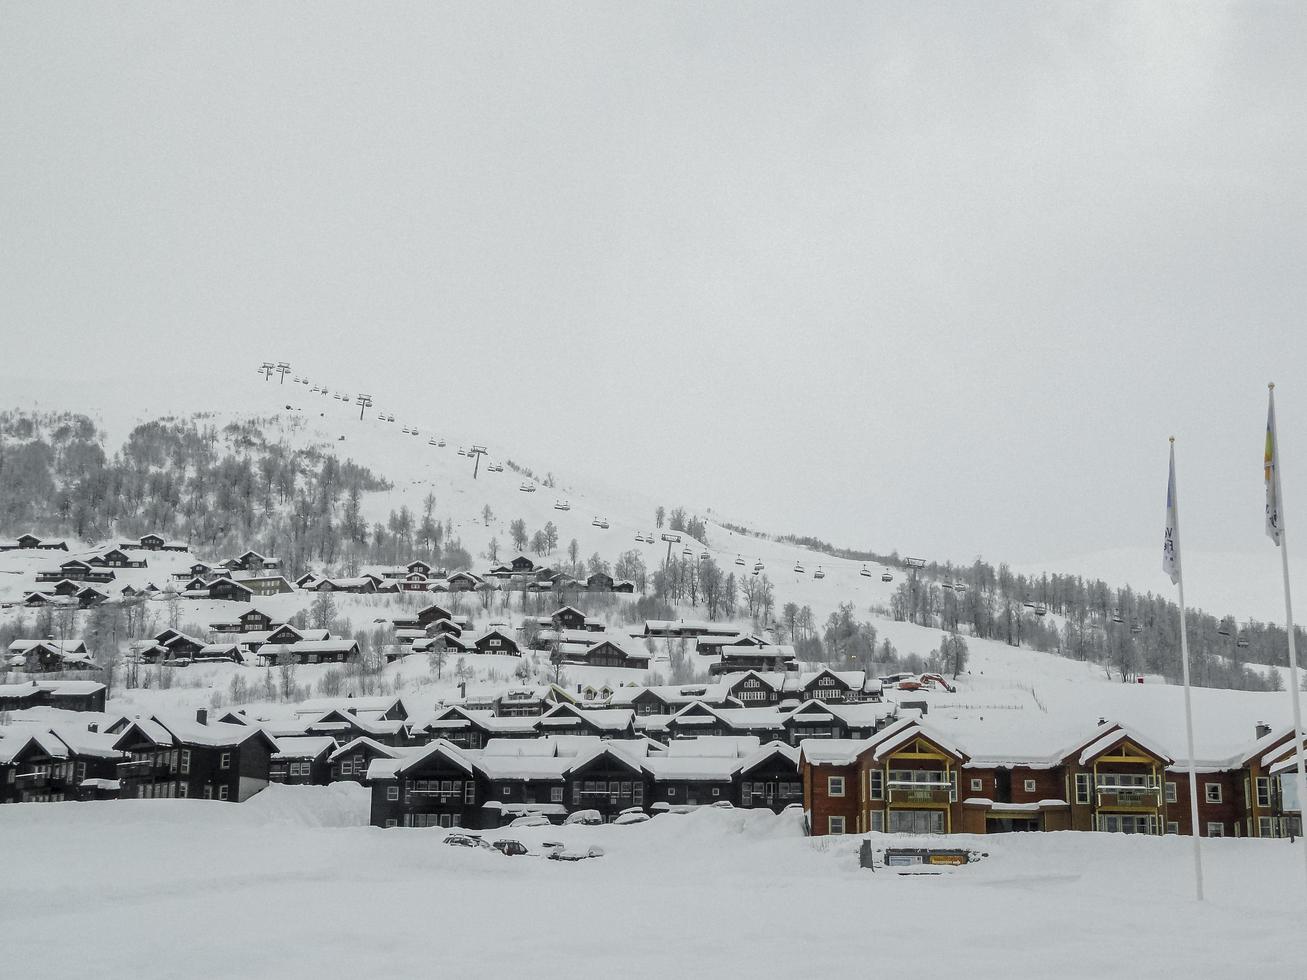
(915, 562)
(950, 859)
(673, 538)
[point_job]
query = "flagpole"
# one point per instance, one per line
(1188, 700)
(1294, 687)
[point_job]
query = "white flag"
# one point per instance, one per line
(1171, 541)
(1272, 463)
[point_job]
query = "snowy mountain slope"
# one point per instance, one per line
(1002, 682)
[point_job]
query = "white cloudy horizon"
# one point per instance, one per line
(935, 278)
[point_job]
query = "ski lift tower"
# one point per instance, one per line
(914, 565)
(266, 369)
(283, 368)
(364, 402)
(671, 539)
(478, 452)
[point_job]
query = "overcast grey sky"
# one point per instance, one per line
(940, 277)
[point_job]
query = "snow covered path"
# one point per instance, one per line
(286, 887)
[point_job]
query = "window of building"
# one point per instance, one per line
(1263, 791)
(878, 821)
(1172, 827)
(469, 792)
(671, 791)
(186, 761)
(1215, 829)
(1171, 796)
(835, 825)
(835, 787)
(208, 792)
(392, 793)
(555, 794)
(1213, 791)
(977, 785)
(222, 792)
(876, 785)
(346, 767)
(716, 791)
(390, 823)
(1265, 826)
(1030, 785)
(1082, 787)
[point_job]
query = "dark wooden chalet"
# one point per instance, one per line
(48, 767)
(68, 695)
(31, 541)
(606, 779)
(463, 582)
(302, 761)
(496, 641)
(229, 590)
(599, 582)
(50, 656)
(192, 759)
(770, 778)
(568, 719)
(607, 652)
(116, 558)
(438, 786)
(76, 570)
(350, 762)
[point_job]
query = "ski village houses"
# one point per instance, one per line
(763, 731)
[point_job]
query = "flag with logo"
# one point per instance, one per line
(1171, 540)
(1271, 463)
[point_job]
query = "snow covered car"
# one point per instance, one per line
(587, 818)
(509, 847)
(531, 820)
(626, 819)
(465, 840)
(576, 855)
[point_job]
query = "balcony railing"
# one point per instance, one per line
(1129, 797)
(919, 792)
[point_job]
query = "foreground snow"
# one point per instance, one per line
(285, 887)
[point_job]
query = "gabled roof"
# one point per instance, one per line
(440, 747)
(1122, 734)
(363, 742)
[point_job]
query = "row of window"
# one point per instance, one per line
(180, 791)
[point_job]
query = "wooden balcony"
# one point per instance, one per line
(918, 793)
(1129, 797)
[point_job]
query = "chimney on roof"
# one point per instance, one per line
(1263, 729)
(1102, 721)
(353, 711)
(202, 716)
(462, 689)
(93, 727)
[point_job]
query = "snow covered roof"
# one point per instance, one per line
(1120, 734)
(363, 742)
(303, 746)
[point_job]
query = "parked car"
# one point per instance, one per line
(531, 820)
(550, 846)
(626, 819)
(465, 840)
(576, 855)
(587, 818)
(511, 848)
